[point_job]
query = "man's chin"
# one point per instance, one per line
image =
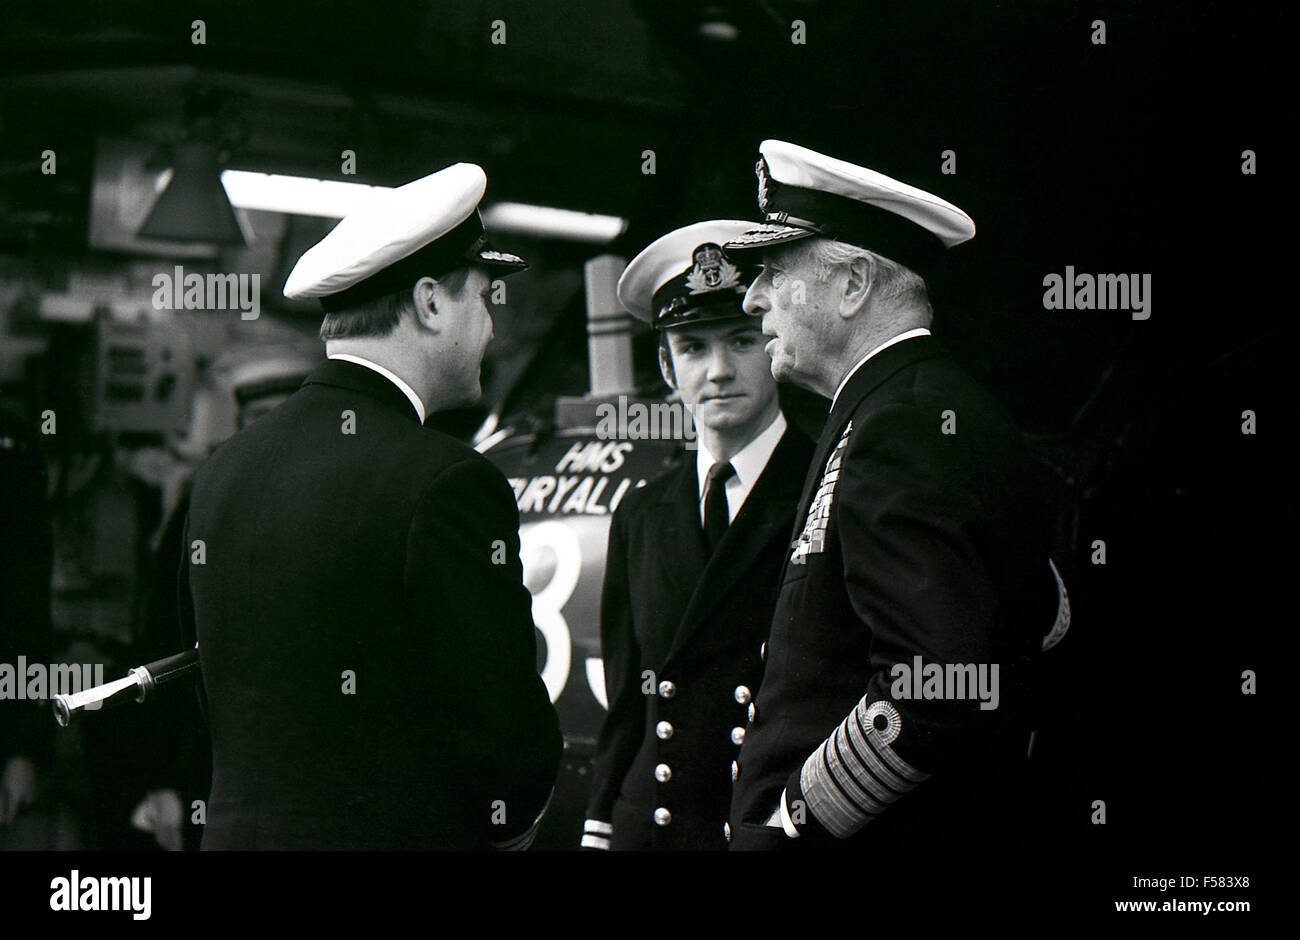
(717, 422)
(720, 419)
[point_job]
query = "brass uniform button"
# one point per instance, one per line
(667, 689)
(743, 695)
(663, 817)
(663, 773)
(737, 736)
(664, 730)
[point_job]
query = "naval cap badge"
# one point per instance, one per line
(711, 271)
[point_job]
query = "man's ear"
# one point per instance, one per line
(666, 366)
(426, 312)
(860, 280)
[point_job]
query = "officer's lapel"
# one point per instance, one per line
(685, 553)
(812, 476)
(764, 516)
(868, 377)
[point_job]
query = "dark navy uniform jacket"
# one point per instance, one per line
(662, 773)
(366, 641)
(912, 546)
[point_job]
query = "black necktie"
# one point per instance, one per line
(716, 514)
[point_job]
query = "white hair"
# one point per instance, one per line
(894, 281)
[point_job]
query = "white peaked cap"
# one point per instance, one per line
(436, 215)
(677, 276)
(804, 193)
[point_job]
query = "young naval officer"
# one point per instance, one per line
(917, 591)
(365, 636)
(691, 571)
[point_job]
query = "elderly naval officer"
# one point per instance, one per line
(365, 636)
(690, 576)
(917, 589)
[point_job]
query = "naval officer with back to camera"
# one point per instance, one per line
(365, 637)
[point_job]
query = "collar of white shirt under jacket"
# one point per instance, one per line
(357, 378)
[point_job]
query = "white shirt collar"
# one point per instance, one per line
(748, 462)
(395, 379)
(920, 331)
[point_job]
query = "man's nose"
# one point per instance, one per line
(720, 365)
(755, 302)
